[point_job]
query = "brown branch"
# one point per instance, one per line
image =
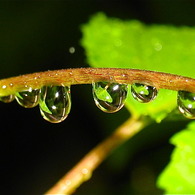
(83, 170)
(89, 75)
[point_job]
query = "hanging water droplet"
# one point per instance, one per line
(109, 97)
(143, 93)
(28, 98)
(55, 103)
(186, 104)
(7, 98)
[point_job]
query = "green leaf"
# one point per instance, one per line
(18, 95)
(103, 95)
(179, 175)
(44, 106)
(111, 42)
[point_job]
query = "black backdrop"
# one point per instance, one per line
(34, 154)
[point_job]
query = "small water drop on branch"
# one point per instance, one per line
(7, 98)
(109, 97)
(55, 103)
(186, 104)
(28, 98)
(72, 50)
(143, 93)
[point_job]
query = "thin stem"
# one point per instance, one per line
(89, 75)
(83, 170)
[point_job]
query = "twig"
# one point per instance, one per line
(83, 170)
(89, 75)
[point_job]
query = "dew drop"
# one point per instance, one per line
(28, 98)
(86, 174)
(4, 86)
(55, 103)
(72, 50)
(109, 97)
(7, 98)
(186, 104)
(143, 93)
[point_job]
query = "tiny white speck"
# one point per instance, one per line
(54, 107)
(190, 106)
(30, 89)
(116, 87)
(72, 50)
(85, 171)
(4, 86)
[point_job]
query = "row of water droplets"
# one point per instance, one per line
(55, 101)
(110, 97)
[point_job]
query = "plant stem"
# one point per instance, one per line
(83, 170)
(89, 75)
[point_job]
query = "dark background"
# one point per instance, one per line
(34, 154)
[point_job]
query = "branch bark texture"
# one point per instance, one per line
(88, 75)
(83, 170)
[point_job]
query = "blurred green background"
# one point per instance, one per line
(37, 36)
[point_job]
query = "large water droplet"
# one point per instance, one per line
(109, 97)
(55, 103)
(7, 99)
(186, 104)
(29, 98)
(143, 93)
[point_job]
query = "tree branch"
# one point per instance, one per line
(89, 75)
(83, 170)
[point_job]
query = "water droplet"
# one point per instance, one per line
(28, 98)
(109, 97)
(4, 86)
(143, 93)
(72, 50)
(157, 46)
(55, 103)
(86, 174)
(186, 104)
(7, 98)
